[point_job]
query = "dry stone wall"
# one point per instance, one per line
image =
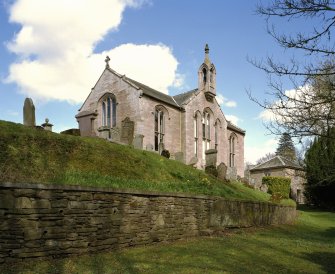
(54, 221)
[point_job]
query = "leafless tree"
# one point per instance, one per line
(309, 108)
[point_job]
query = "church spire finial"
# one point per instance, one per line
(107, 61)
(207, 61)
(206, 49)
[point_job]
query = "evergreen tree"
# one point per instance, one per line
(320, 171)
(286, 147)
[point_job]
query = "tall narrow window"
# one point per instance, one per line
(108, 112)
(196, 135)
(103, 113)
(204, 72)
(114, 112)
(216, 136)
(206, 131)
(159, 128)
(232, 151)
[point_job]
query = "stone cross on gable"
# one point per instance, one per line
(107, 61)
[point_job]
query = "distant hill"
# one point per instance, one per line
(38, 156)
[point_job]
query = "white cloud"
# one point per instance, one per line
(154, 65)
(291, 104)
(55, 49)
(232, 118)
(225, 102)
(253, 153)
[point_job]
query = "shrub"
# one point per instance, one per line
(278, 187)
(165, 153)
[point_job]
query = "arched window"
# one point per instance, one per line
(217, 127)
(108, 105)
(196, 135)
(159, 127)
(204, 72)
(211, 75)
(232, 142)
(205, 133)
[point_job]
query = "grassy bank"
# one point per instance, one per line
(38, 156)
(307, 247)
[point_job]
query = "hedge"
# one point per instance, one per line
(278, 186)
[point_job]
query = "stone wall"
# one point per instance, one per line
(52, 221)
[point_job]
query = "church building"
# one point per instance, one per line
(191, 125)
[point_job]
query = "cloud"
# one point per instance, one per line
(56, 49)
(225, 102)
(232, 118)
(293, 97)
(253, 153)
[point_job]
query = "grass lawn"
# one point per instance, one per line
(307, 247)
(37, 156)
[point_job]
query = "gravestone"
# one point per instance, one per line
(127, 131)
(179, 156)
(211, 157)
(193, 161)
(47, 126)
(222, 171)
(29, 113)
(149, 147)
(115, 134)
(138, 141)
(160, 148)
(231, 173)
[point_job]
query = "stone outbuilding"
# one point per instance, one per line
(190, 125)
(280, 166)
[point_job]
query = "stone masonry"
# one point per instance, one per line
(53, 221)
(192, 123)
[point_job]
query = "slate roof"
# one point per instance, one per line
(184, 97)
(277, 162)
(154, 93)
(235, 128)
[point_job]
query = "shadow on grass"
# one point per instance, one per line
(325, 259)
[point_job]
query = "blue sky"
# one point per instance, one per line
(55, 57)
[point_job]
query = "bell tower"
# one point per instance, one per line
(207, 77)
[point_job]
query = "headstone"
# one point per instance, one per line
(47, 126)
(138, 141)
(149, 147)
(231, 173)
(211, 157)
(179, 156)
(222, 171)
(29, 113)
(193, 161)
(115, 134)
(160, 148)
(127, 131)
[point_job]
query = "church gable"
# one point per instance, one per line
(189, 125)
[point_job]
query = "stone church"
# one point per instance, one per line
(191, 125)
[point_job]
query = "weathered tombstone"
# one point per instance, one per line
(138, 141)
(115, 134)
(179, 156)
(231, 173)
(222, 171)
(211, 157)
(149, 147)
(47, 126)
(160, 148)
(127, 131)
(193, 161)
(29, 113)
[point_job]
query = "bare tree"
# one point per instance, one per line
(266, 157)
(308, 109)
